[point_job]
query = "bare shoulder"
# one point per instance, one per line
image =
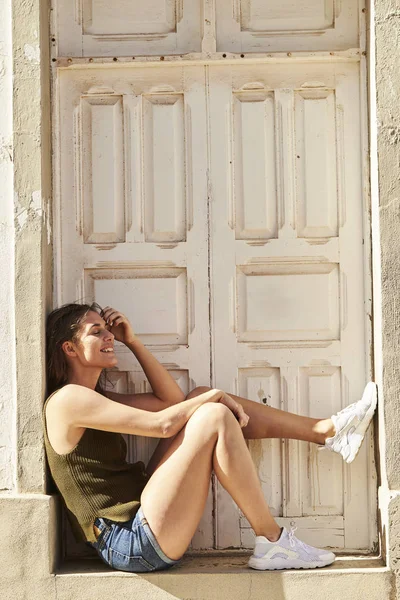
(72, 394)
(60, 401)
(71, 400)
(57, 401)
(62, 433)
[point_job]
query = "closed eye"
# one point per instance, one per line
(95, 331)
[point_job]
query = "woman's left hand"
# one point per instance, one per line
(118, 324)
(236, 408)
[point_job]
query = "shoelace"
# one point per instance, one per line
(344, 413)
(362, 408)
(346, 409)
(293, 528)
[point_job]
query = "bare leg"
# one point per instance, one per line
(174, 498)
(268, 422)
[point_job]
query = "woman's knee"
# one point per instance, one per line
(211, 415)
(201, 389)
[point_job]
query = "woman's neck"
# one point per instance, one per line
(87, 378)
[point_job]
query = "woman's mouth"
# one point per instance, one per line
(110, 350)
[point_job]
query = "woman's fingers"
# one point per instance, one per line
(241, 415)
(118, 324)
(108, 311)
(243, 418)
(118, 320)
(237, 410)
(105, 313)
(110, 315)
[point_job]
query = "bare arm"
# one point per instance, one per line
(163, 385)
(79, 406)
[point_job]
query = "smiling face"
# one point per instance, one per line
(94, 345)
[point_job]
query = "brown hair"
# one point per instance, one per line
(63, 325)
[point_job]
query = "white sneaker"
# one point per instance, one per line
(351, 423)
(287, 553)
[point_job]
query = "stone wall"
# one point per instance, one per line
(386, 238)
(7, 349)
(32, 197)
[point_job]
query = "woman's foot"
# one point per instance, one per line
(287, 553)
(351, 423)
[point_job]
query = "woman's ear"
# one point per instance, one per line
(68, 348)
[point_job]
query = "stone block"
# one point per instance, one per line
(28, 553)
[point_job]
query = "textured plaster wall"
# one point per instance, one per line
(32, 185)
(27, 558)
(387, 39)
(394, 538)
(385, 95)
(7, 345)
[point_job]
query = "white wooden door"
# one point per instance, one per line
(280, 212)
(284, 25)
(134, 28)
(133, 229)
(270, 203)
(288, 281)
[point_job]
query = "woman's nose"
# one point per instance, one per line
(109, 335)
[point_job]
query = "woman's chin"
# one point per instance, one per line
(109, 362)
(112, 361)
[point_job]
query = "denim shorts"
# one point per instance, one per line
(130, 546)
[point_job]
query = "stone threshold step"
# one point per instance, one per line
(222, 577)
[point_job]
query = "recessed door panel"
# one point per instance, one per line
(282, 26)
(128, 27)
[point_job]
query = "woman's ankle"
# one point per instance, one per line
(272, 535)
(323, 430)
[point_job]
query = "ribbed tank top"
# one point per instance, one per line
(95, 480)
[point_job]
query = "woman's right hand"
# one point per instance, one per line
(236, 408)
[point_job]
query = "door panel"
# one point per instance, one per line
(125, 28)
(287, 325)
(276, 26)
(263, 385)
(316, 148)
(255, 168)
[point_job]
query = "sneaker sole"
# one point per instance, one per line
(278, 565)
(359, 432)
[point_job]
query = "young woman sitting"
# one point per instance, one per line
(142, 518)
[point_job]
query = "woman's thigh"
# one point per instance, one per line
(159, 453)
(174, 498)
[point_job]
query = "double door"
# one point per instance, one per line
(220, 207)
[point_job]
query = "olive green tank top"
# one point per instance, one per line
(95, 480)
